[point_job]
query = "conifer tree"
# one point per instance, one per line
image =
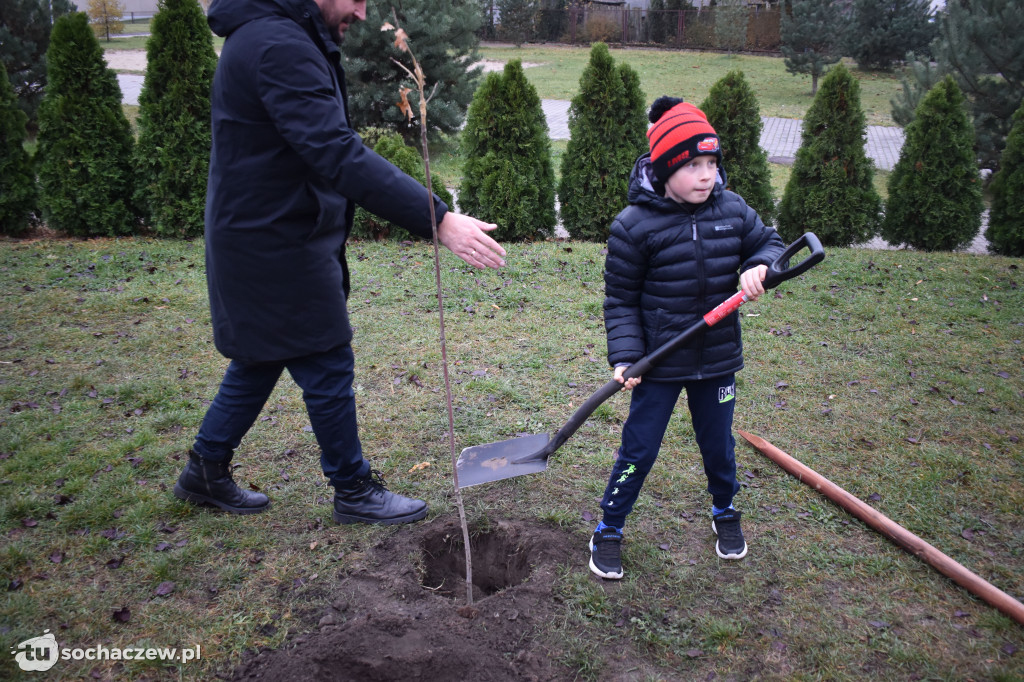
(85, 141)
(731, 19)
(507, 177)
(517, 19)
(1005, 231)
(173, 151)
(732, 110)
(980, 43)
(882, 32)
(392, 147)
(935, 200)
(444, 32)
(811, 35)
(607, 132)
(17, 180)
(24, 38)
(830, 189)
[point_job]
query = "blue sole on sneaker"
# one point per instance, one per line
(608, 575)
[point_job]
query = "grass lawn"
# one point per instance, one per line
(898, 375)
(556, 74)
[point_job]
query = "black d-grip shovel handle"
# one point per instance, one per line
(778, 272)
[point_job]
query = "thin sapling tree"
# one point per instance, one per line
(419, 78)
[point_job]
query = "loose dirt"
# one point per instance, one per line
(401, 614)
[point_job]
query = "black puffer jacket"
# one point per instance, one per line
(668, 264)
(286, 171)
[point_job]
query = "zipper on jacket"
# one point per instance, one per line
(699, 257)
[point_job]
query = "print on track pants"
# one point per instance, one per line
(712, 403)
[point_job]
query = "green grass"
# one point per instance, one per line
(557, 70)
(898, 375)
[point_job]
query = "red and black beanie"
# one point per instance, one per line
(678, 135)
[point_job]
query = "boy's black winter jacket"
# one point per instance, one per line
(286, 171)
(668, 264)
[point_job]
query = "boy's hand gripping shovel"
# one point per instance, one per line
(529, 454)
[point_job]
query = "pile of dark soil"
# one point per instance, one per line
(402, 614)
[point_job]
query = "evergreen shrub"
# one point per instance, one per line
(507, 176)
(173, 151)
(830, 190)
(17, 179)
(1005, 231)
(935, 199)
(607, 132)
(732, 110)
(392, 147)
(85, 142)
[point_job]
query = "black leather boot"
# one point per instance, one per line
(207, 481)
(367, 500)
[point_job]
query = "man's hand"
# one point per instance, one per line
(750, 282)
(467, 238)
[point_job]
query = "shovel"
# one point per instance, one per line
(529, 454)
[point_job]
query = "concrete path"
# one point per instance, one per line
(780, 137)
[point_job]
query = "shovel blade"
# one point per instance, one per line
(495, 461)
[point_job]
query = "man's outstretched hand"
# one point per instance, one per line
(467, 238)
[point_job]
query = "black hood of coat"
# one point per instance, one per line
(226, 16)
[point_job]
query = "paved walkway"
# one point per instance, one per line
(780, 137)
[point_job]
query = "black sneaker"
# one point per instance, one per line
(606, 553)
(731, 544)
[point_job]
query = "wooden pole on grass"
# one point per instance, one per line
(901, 536)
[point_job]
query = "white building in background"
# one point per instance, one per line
(140, 7)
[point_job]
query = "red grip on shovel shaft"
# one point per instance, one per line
(726, 307)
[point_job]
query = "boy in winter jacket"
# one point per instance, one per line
(678, 250)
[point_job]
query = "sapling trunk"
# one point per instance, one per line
(401, 42)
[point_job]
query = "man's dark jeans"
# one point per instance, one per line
(326, 383)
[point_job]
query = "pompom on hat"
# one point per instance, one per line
(679, 133)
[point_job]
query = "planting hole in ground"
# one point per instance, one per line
(501, 559)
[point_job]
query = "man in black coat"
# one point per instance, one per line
(286, 171)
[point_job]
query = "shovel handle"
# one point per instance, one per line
(779, 271)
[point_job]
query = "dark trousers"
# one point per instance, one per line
(711, 405)
(326, 383)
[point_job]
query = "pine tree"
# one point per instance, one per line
(811, 36)
(446, 48)
(507, 177)
(173, 152)
(24, 39)
(607, 126)
(17, 180)
(882, 32)
(980, 43)
(830, 189)
(85, 142)
(732, 110)
(935, 200)
(1005, 231)
(392, 147)
(922, 77)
